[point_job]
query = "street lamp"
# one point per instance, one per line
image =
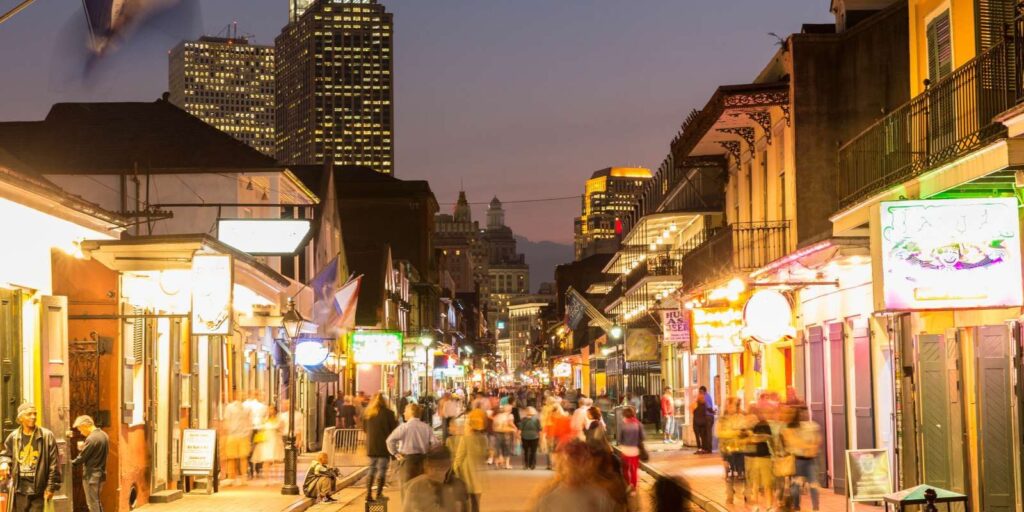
(615, 332)
(291, 322)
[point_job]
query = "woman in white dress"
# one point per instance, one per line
(270, 447)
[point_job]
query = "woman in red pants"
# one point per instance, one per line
(630, 438)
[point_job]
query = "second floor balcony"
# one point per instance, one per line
(952, 118)
(738, 247)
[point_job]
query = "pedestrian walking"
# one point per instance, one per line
(269, 450)
(257, 414)
(595, 432)
(449, 409)
(238, 441)
(379, 422)
(802, 438)
(29, 458)
(758, 463)
(469, 456)
(630, 438)
(668, 418)
(574, 486)
(437, 489)
(347, 413)
(410, 442)
(505, 431)
(93, 459)
(529, 431)
(320, 480)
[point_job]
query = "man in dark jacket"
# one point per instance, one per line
(379, 422)
(93, 459)
(29, 458)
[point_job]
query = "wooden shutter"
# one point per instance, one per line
(816, 392)
(133, 343)
(940, 47)
(992, 20)
(862, 377)
(995, 419)
(837, 406)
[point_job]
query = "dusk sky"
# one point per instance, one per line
(519, 98)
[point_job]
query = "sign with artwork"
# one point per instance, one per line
(642, 345)
(211, 294)
(562, 370)
(869, 473)
(950, 254)
(717, 331)
(376, 347)
(675, 327)
(198, 452)
(768, 317)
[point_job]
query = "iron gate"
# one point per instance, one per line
(84, 384)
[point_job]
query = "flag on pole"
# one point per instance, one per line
(346, 300)
(574, 311)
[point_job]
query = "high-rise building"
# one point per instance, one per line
(608, 196)
(462, 251)
(507, 270)
(229, 84)
(334, 85)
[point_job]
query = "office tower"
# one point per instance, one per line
(609, 195)
(229, 84)
(334, 85)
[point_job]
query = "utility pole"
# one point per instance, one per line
(17, 8)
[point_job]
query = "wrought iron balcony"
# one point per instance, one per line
(953, 117)
(739, 247)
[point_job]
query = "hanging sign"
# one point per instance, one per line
(675, 327)
(869, 474)
(642, 345)
(949, 253)
(265, 237)
(198, 452)
(717, 331)
(768, 317)
(377, 347)
(211, 294)
(562, 370)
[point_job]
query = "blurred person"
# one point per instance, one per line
(449, 409)
(505, 432)
(320, 479)
(545, 445)
(269, 449)
(469, 455)
(410, 442)
(93, 459)
(580, 420)
(529, 431)
(257, 413)
(802, 438)
(574, 486)
(347, 413)
(405, 400)
(595, 430)
(300, 426)
(378, 421)
(238, 439)
(733, 430)
(437, 489)
(29, 456)
(560, 429)
(630, 439)
(703, 420)
(668, 418)
(758, 462)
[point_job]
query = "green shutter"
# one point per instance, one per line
(993, 19)
(940, 49)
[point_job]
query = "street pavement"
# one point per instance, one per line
(705, 476)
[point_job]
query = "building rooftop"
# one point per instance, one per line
(622, 172)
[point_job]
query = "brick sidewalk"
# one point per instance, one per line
(705, 476)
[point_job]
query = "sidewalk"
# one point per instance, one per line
(259, 495)
(705, 476)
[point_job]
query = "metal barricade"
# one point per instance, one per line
(339, 442)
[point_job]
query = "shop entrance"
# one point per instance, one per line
(10, 360)
(940, 409)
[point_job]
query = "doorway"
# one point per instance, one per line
(10, 360)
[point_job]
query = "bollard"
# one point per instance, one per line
(929, 496)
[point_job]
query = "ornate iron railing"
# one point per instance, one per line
(953, 117)
(739, 247)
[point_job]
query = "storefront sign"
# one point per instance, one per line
(265, 237)
(377, 347)
(870, 475)
(768, 317)
(717, 331)
(642, 345)
(198, 452)
(211, 294)
(675, 327)
(311, 353)
(950, 253)
(562, 370)
(454, 372)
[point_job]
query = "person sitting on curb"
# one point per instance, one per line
(320, 478)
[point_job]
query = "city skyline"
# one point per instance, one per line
(540, 118)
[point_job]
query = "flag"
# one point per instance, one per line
(574, 311)
(325, 285)
(346, 300)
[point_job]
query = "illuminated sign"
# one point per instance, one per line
(768, 317)
(717, 331)
(311, 353)
(265, 237)
(211, 294)
(454, 372)
(950, 253)
(675, 327)
(377, 347)
(562, 370)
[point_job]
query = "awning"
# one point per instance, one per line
(320, 373)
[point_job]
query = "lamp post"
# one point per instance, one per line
(291, 322)
(426, 341)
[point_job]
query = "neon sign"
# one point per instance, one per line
(717, 331)
(376, 347)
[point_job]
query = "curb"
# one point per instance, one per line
(303, 504)
(695, 497)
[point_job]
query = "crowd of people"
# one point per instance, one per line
(254, 438)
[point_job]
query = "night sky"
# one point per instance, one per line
(519, 98)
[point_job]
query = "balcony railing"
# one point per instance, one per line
(953, 117)
(739, 247)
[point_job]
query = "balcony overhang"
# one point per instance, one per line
(987, 169)
(727, 123)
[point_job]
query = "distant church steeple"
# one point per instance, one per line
(495, 214)
(462, 210)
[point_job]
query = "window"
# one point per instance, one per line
(940, 47)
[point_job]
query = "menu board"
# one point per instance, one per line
(198, 452)
(869, 474)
